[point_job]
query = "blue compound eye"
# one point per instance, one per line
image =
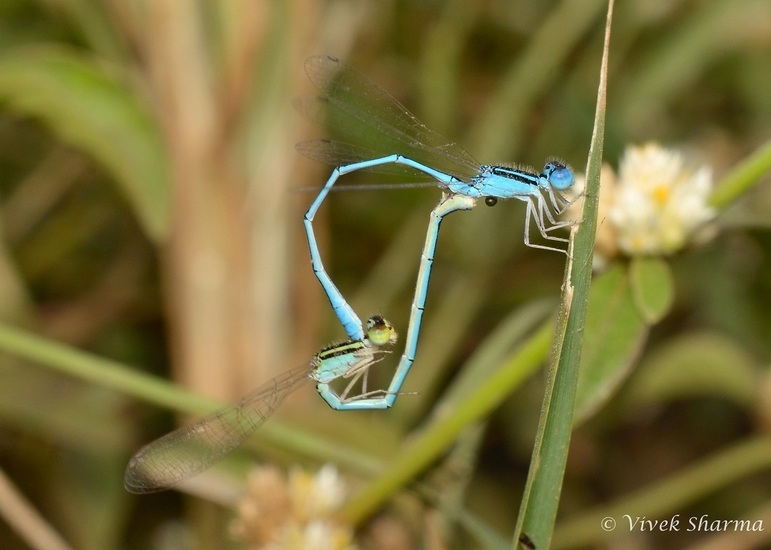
(559, 176)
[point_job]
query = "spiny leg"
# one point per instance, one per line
(560, 202)
(545, 213)
(532, 212)
(360, 371)
(540, 213)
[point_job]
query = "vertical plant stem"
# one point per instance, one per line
(547, 469)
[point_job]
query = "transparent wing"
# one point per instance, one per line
(355, 110)
(335, 153)
(192, 449)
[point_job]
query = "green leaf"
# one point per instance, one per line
(704, 363)
(652, 287)
(614, 335)
(94, 110)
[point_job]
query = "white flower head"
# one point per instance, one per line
(316, 495)
(658, 203)
(655, 204)
(293, 514)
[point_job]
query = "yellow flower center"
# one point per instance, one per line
(661, 193)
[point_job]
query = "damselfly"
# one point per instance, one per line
(374, 131)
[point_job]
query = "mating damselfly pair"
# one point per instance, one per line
(372, 131)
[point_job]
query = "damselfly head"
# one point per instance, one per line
(558, 175)
(380, 332)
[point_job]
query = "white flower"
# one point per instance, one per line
(658, 203)
(294, 514)
(654, 206)
(316, 496)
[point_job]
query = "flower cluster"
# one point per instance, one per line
(654, 205)
(293, 514)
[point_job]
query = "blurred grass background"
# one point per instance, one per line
(151, 215)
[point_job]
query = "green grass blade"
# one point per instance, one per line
(743, 177)
(671, 495)
(95, 111)
(116, 376)
(544, 484)
(427, 446)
